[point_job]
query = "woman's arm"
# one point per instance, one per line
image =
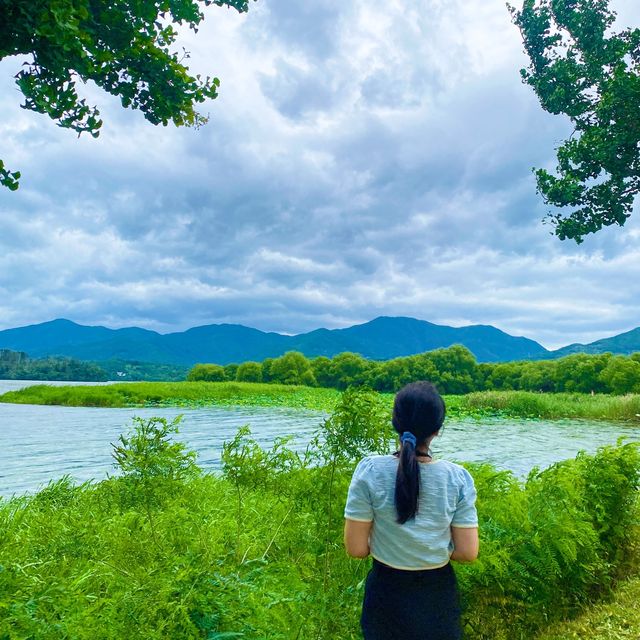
(356, 537)
(465, 543)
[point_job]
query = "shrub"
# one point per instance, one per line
(249, 372)
(206, 373)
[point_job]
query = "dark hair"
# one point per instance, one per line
(419, 409)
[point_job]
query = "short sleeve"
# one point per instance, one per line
(466, 514)
(359, 505)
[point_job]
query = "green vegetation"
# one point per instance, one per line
(16, 365)
(176, 394)
(164, 551)
(136, 371)
(526, 404)
(454, 370)
(580, 68)
(125, 48)
(615, 620)
(206, 373)
(508, 404)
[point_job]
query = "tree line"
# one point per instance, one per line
(454, 370)
(17, 365)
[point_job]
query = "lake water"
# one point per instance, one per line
(40, 443)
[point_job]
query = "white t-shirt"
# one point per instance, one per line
(447, 498)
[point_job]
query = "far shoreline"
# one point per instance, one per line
(507, 404)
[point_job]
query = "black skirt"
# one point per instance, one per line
(410, 605)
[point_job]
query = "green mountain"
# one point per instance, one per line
(624, 343)
(385, 338)
(379, 339)
(64, 338)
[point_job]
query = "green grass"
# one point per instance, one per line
(615, 620)
(528, 404)
(508, 404)
(177, 394)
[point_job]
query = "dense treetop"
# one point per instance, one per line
(16, 365)
(454, 370)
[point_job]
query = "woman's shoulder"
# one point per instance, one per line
(452, 469)
(370, 465)
(377, 461)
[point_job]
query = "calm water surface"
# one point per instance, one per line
(40, 443)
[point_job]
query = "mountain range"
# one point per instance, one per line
(380, 339)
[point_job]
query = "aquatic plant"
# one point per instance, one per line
(511, 404)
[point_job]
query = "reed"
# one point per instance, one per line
(553, 405)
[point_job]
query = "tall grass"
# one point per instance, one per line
(552, 405)
(165, 551)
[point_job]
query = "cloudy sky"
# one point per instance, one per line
(362, 159)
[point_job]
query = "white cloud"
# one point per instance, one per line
(360, 160)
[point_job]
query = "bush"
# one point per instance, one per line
(206, 373)
(552, 545)
(148, 453)
(249, 372)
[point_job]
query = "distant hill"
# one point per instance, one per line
(385, 338)
(379, 339)
(624, 343)
(63, 337)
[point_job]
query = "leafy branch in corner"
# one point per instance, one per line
(124, 47)
(580, 68)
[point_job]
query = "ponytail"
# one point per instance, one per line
(418, 414)
(407, 479)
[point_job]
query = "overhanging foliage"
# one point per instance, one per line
(579, 68)
(126, 47)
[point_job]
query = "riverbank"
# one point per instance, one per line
(508, 404)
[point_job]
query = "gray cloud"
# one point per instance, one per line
(358, 162)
